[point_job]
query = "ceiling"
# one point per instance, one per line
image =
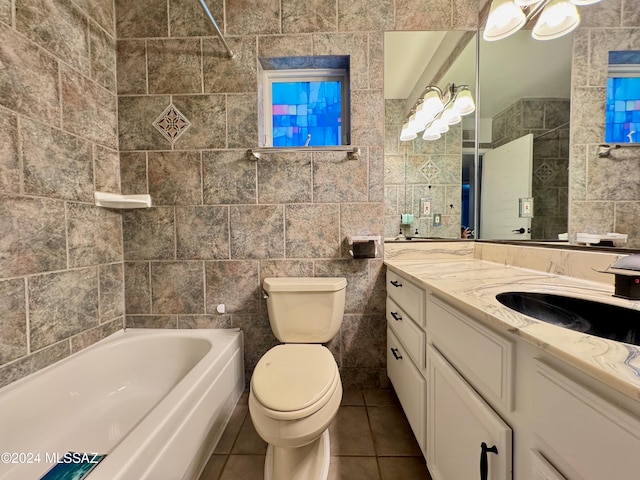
(513, 68)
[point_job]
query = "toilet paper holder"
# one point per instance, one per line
(364, 246)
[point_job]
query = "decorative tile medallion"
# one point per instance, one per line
(544, 172)
(171, 123)
(429, 169)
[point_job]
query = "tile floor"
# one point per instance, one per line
(370, 440)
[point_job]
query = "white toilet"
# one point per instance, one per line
(296, 388)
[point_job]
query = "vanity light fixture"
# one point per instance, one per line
(435, 110)
(557, 18)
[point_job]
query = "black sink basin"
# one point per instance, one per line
(595, 318)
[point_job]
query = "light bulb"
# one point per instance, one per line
(464, 102)
(505, 18)
(558, 18)
(430, 134)
(451, 116)
(407, 134)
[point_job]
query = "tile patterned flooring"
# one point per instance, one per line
(370, 440)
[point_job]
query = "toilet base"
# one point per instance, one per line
(310, 462)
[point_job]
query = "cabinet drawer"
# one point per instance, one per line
(409, 334)
(483, 357)
(593, 437)
(409, 385)
(408, 296)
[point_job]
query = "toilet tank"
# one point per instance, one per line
(305, 309)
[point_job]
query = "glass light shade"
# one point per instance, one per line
(406, 133)
(440, 126)
(526, 3)
(558, 18)
(464, 103)
(432, 102)
(451, 116)
(584, 2)
(430, 134)
(423, 116)
(505, 18)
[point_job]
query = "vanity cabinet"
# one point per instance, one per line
(466, 438)
(406, 342)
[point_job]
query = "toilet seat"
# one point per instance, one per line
(293, 381)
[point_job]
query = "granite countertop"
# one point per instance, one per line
(471, 285)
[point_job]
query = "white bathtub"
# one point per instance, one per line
(155, 401)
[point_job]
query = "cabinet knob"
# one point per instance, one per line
(484, 462)
(395, 353)
(396, 283)
(395, 316)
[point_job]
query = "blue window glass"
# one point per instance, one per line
(306, 112)
(623, 110)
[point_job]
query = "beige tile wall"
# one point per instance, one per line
(61, 260)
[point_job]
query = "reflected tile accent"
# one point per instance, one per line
(62, 304)
(33, 238)
(171, 123)
(429, 170)
(177, 287)
(13, 328)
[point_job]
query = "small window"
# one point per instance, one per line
(304, 106)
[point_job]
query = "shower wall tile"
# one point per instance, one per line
(607, 14)
(111, 292)
(205, 321)
(253, 17)
(149, 234)
(630, 14)
(312, 231)
(285, 46)
(234, 283)
(88, 110)
(29, 78)
(376, 60)
(10, 167)
(100, 11)
(465, 14)
(257, 231)
(94, 235)
(162, 57)
(141, 19)
(133, 173)
(285, 178)
(174, 178)
(228, 178)
(103, 57)
(152, 321)
(242, 128)
(356, 15)
(132, 67)
(62, 304)
(310, 16)
(135, 122)
(32, 363)
(224, 76)
(627, 214)
(106, 171)
(33, 238)
(285, 268)
(6, 11)
(617, 180)
(177, 287)
(70, 177)
(258, 338)
(363, 342)
(338, 179)
(588, 107)
(202, 232)
(367, 117)
(423, 15)
(207, 114)
(137, 287)
(13, 328)
(188, 19)
(93, 335)
(59, 27)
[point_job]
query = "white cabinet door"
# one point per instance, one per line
(542, 469)
(459, 422)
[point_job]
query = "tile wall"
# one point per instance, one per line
(420, 169)
(222, 223)
(61, 259)
(550, 185)
(604, 193)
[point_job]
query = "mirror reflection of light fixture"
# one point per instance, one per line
(435, 110)
(557, 17)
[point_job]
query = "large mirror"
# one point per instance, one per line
(523, 112)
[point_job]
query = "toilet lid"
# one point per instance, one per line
(292, 377)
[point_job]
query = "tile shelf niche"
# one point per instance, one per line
(116, 200)
(353, 153)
